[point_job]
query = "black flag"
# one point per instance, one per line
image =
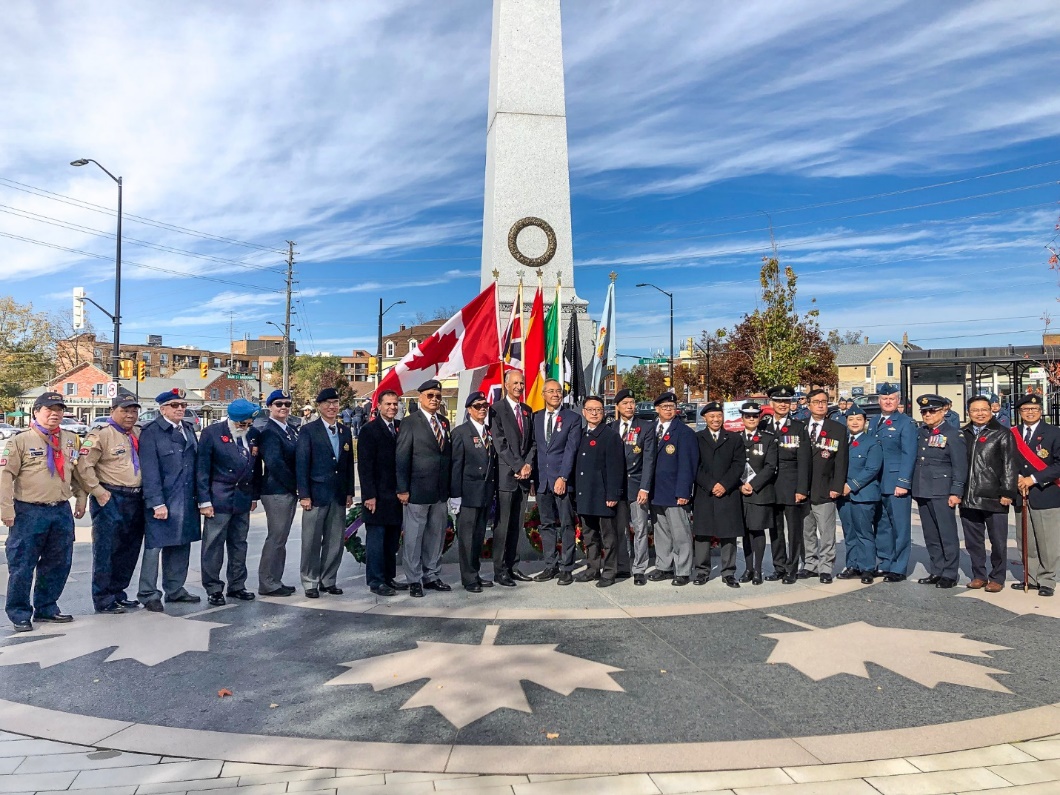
(573, 371)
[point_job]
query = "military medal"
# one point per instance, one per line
(1043, 453)
(670, 449)
(636, 448)
(346, 447)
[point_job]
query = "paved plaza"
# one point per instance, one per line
(807, 688)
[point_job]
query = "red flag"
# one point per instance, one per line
(492, 384)
(534, 354)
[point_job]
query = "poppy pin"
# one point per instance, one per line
(853, 444)
(225, 439)
(592, 442)
(889, 422)
(822, 434)
(666, 437)
(936, 432)
(754, 438)
(982, 438)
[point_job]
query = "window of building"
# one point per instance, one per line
(216, 363)
(413, 345)
(163, 358)
(868, 371)
(890, 369)
(69, 388)
(146, 356)
(254, 366)
(99, 390)
(266, 366)
(228, 394)
(215, 394)
(389, 349)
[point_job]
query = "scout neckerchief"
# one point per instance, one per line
(55, 451)
(134, 443)
(1032, 458)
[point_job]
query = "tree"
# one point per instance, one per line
(848, 337)
(27, 349)
(441, 313)
(645, 382)
(310, 374)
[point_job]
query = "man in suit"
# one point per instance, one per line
(896, 433)
(226, 463)
(792, 486)
(676, 462)
(757, 489)
(718, 510)
(861, 496)
(558, 432)
(474, 487)
(167, 465)
(1038, 457)
(638, 442)
(599, 482)
(828, 475)
(324, 469)
(377, 471)
(511, 423)
(424, 460)
(277, 442)
(939, 479)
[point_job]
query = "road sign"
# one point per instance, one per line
(658, 360)
(242, 377)
(112, 389)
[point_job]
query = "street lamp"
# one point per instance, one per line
(286, 355)
(117, 268)
(379, 346)
(671, 297)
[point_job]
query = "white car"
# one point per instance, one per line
(74, 426)
(7, 430)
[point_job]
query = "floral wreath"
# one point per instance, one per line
(533, 535)
(351, 538)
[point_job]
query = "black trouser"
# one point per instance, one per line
(939, 522)
(117, 535)
(601, 546)
(728, 556)
(754, 549)
(557, 527)
(786, 540)
(470, 535)
(511, 505)
(381, 543)
(977, 525)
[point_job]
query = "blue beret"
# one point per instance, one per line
(242, 410)
(887, 389)
(170, 394)
(277, 394)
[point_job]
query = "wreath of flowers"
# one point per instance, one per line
(351, 538)
(533, 535)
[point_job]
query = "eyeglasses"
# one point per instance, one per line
(244, 423)
(433, 395)
(479, 406)
(592, 410)
(930, 411)
(282, 404)
(175, 405)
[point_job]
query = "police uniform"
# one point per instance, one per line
(941, 472)
(35, 489)
(896, 434)
(1039, 458)
(858, 508)
(762, 454)
(109, 465)
(793, 478)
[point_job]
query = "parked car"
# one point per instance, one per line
(149, 415)
(73, 425)
(99, 422)
(645, 410)
(7, 430)
(870, 404)
(689, 412)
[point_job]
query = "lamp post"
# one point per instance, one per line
(671, 297)
(379, 346)
(286, 355)
(84, 161)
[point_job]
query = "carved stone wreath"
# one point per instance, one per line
(513, 242)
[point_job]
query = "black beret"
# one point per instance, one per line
(666, 397)
(1029, 400)
(622, 394)
(432, 384)
(709, 407)
(474, 397)
(327, 394)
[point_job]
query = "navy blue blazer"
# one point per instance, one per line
(167, 465)
(639, 447)
(676, 463)
(864, 465)
(224, 470)
(1045, 443)
(277, 469)
(555, 458)
(321, 476)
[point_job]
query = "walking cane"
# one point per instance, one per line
(1023, 521)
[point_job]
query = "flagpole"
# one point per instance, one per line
(559, 330)
(522, 328)
(497, 313)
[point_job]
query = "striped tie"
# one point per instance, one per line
(437, 428)
(487, 438)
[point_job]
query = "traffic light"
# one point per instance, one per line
(666, 382)
(125, 368)
(204, 368)
(141, 371)
(373, 365)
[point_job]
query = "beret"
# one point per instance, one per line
(666, 397)
(327, 394)
(1029, 400)
(170, 394)
(709, 407)
(432, 384)
(474, 397)
(622, 394)
(277, 394)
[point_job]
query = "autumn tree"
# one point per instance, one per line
(27, 349)
(635, 380)
(310, 374)
(836, 338)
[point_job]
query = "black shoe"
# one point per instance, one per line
(216, 599)
(1018, 586)
(184, 597)
(485, 583)
(565, 578)
(398, 586)
(849, 574)
(58, 618)
(438, 585)
(331, 589)
(773, 577)
(129, 604)
(585, 576)
(277, 592)
(879, 573)
(154, 606)
(730, 581)
(289, 588)
(605, 582)
(1045, 590)
(473, 588)
(623, 575)
(505, 580)
(945, 582)
(382, 590)
(679, 581)
(640, 579)
(416, 590)
(804, 574)
(546, 575)
(658, 575)
(518, 576)
(826, 579)
(929, 580)
(312, 593)
(757, 578)
(789, 579)
(242, 595)
(113, 609)
(867, 578)
(893, 576)
(701, 579)
(22, 626)
(746, 576)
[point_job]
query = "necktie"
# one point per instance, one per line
(816, 431)
(390, 427)
(548, 429)
(625, 430)
(437, 432)
(519, 418)
(852, 440)
(659, 430)
(715, 435)
(332, 429)
(1027, 434)
(487, 437)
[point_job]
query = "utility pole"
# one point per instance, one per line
(287, 319)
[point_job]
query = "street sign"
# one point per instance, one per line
(659, 360)
(112, 389)
(242, 377)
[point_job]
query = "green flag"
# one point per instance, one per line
(552, 339)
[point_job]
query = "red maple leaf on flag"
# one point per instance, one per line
(434, 352)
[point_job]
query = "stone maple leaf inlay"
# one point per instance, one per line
(913, 653)
(468, 682)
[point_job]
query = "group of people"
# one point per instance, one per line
(153, 492)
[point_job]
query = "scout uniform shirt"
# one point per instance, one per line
(107, 458)
(24, 474)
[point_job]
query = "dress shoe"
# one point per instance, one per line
(659, 575)
(585, 576)
(640, 579)
(546, 575)
(398, 586)
(113, 609)
(415, 590)
(382, 590)
(289, 588)
(518, 576)
(878, 572)
(977, 583)
(154, 606)
(438, 585)
(243, 595)
(893, 576)
(312, 593)
(757, 578)
(22, 626)
(994, 587)
(774, 577)
(701, 579)
(129, 604)
(277, 592)
(473, 588)
(747, 576)
(826, 579)
(485, 583)
(216, 599)
(58, 618)
(564, 578)
(849, 574)
(184, 597)
(945, 582)
(505, 580)
(804, 574)
(623, 575)
(1045, 591)
(730, 581)
(331, 589)
(679, 581)
(789, 579)
(929, 580)
(867, 578)
(605, 582)
(1018, 586)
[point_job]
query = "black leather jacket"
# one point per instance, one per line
(991, 467)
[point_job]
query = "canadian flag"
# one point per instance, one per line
(466, 341)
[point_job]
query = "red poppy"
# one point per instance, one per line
(754, 438)
(853, 444)
(936, 432)
(822, 434)
(666, 438)
(982, 438)
(637, 429)
(592, 442)
(225, 439)
(888, 422)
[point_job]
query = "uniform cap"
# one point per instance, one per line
(855, 410)
(751, 409)
(993, 398)
(712, 406)
(326, 394)
(622, 394)
(931, 402)
(49, 399)
(887, 389)
(169, 395)
(432, 384)
(474, 397)
(277, 394)
(126, 401)
(1026, 400)
(666, 397)
(781, 393)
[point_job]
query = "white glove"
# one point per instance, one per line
(454, 505)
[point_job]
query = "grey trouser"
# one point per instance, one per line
(673, 539)
(174, 572)
(421, 553)
(626, 513)
(219, 532)
(818, 538)
(322, 530)
(279, 513)
(1043, 546)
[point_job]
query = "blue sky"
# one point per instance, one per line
(907, 155)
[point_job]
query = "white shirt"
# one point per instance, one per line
(282, 425)
(516, 407)
(479, 429)
(431, 418)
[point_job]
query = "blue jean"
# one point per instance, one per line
(41, 543)
(117, 535)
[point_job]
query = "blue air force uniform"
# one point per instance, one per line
(896, 434)
(858, 507)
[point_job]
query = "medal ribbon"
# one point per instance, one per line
(56, 460)
(1036, 463)
(134, 444)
